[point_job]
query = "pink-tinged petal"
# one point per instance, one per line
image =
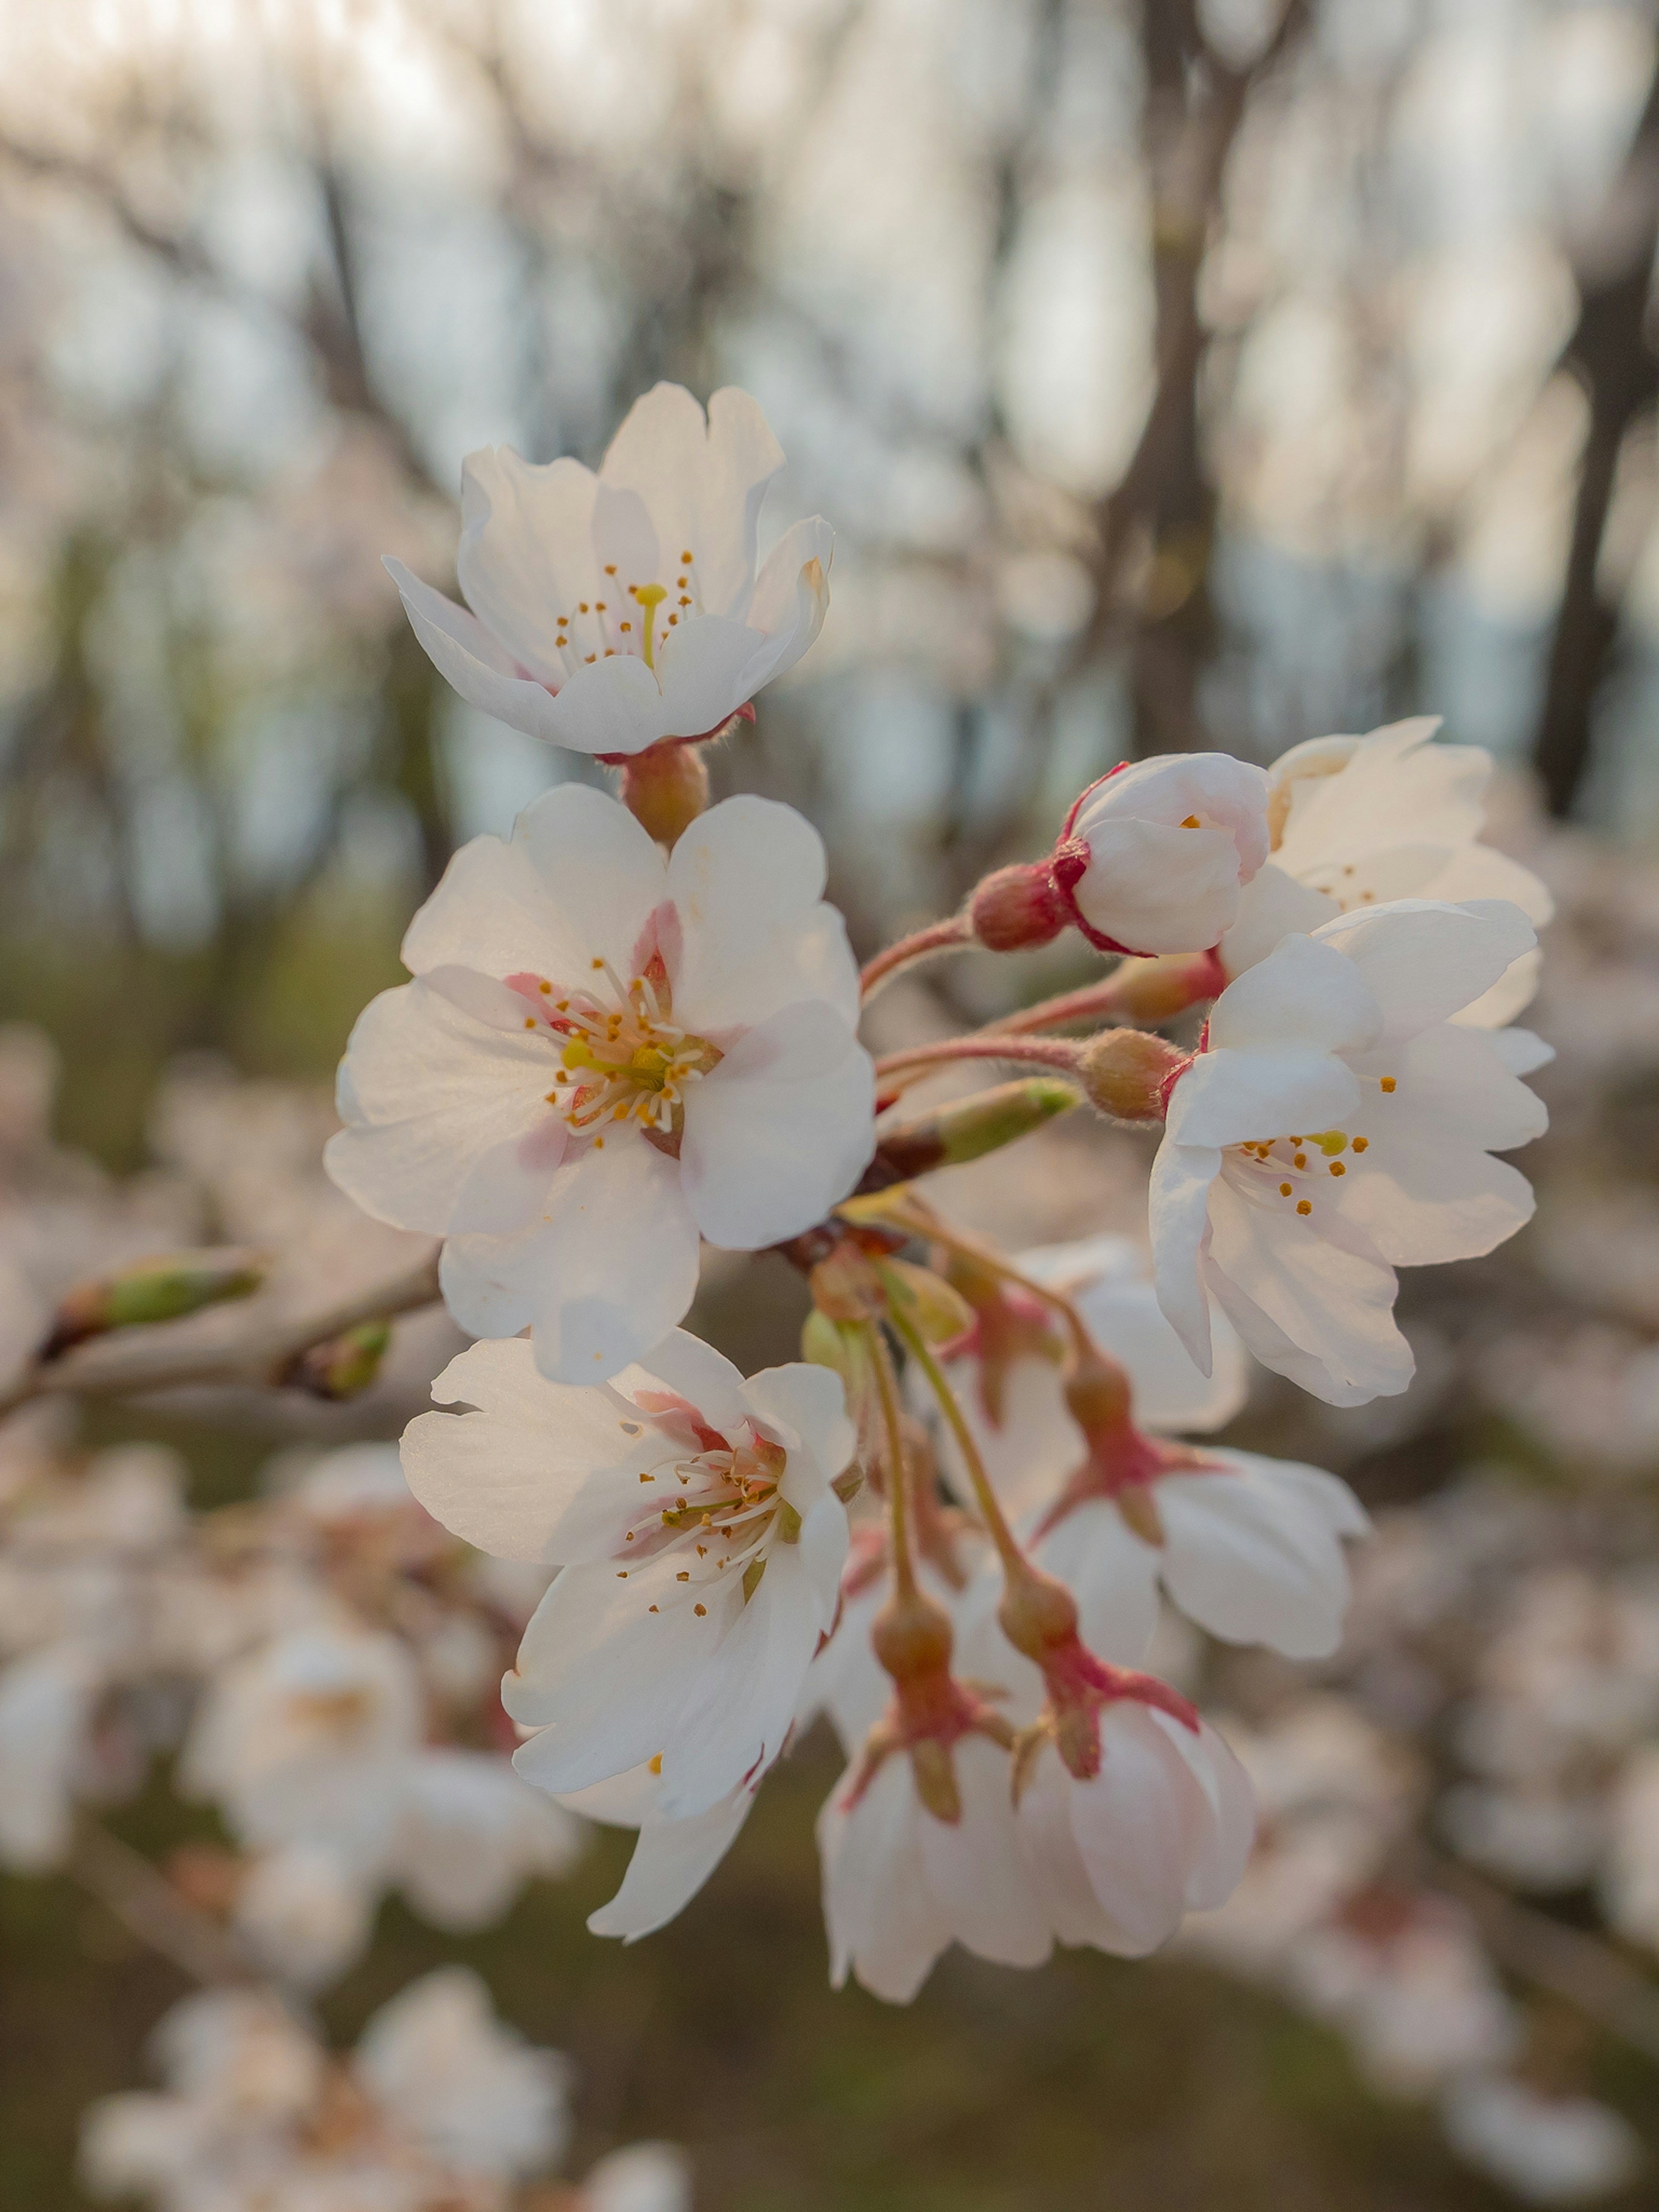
(973, 1866)
(741, 1705)
(791, 597)
(526, 551)
(1113, 1576)
(746, 879)
(683, 1366)
(1271, 907)
(672, 1862)
(781, 1131)
(1233, 1097)
(539, 1470)
(1303, 994)
(485, 674)
(881, 1916)
(599, 863)
(701, 665)
(1178, 1203)
(1425, 960)
(432, 1091)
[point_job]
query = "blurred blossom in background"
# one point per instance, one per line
(1198, 374)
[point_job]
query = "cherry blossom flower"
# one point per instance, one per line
(304, 1913)
(1161, 1826)
(610, 611)
(701, 1542)
(470, 1834)
(1346, 1038)
(1545, 2150)
(604, 1054)
(471, 2092)
(1362, 821)
(901, 1884)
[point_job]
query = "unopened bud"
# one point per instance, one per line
(1125, 1073)
(665, 788)
(343, 1367)
(967, 1128)
(165, 1288)
(1017, 908)
(938, 1314)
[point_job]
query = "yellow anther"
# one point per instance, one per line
(1304, 1205)
(655, 1761)
(1300, 1160)
(1337, 1168)
(1362, 1144)
(1192, 823)
(1284, 1190)
(1388, 1083)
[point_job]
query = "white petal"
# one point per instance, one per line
(973, 1866)
(1254, 1555)
(881, 1918)
(704, 483)
(540, 1471)
(1520, 1051)
(1271, 907)
(809, 1405)
(600, 866)
(1139, 1825)
(1230, 1097)
(1178, 1203)
(672, 1861)
(739, 1710)
(609, 1269)
(481, 670)
(746, 879)
(701, 666)
(1124, 1318)
(694, 1370)
(1113, 1576)
(1424, 960)
(791, 597)
(526, 551)
(1155, 889)
(432, 1090)
(1304, 993)
(781, 1131)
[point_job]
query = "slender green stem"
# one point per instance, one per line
(990, 1508)
(904, 1569)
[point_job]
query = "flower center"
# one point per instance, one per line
(622, 1058)
(718, 1511)
(1295, 1171)
(628, 618)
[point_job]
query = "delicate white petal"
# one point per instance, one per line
(1303, 994)
(595, 861)
(672, 1861)
(526, 551)
(883, 1920)
(791, 597)
(1424, 959)
(973, 1866)
(1253, 1555)
(701, 667)
(1231, 1097)
(1520, 1051)
(781, 1131)
(1271, 907)
(704, 483)
(1113, 1576)
(1178, 1215)
(481, 670)
(805, 1407)
(746, 879)
(694, 1370)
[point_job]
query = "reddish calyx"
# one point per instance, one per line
(1038, 1616)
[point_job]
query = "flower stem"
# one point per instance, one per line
(1047, 1052)
(1140, 990)
(985, 1497)
(904, 1567)
(937, 937)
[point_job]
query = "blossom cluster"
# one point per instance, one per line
(981, 1525)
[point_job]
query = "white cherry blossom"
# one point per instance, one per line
(1361, 820)
(605, 1055)
(1163, 1828)
(469, 1833)
(900, 1885)
(606, 611)
(304, 1913)
(700, 1544)
(1545, 2150)
(1153, 857)
(672, 1858)
(1336, 1124)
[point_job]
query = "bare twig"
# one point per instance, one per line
(251, 1343)
(148, 1905)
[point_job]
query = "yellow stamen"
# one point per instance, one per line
(650, 597)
